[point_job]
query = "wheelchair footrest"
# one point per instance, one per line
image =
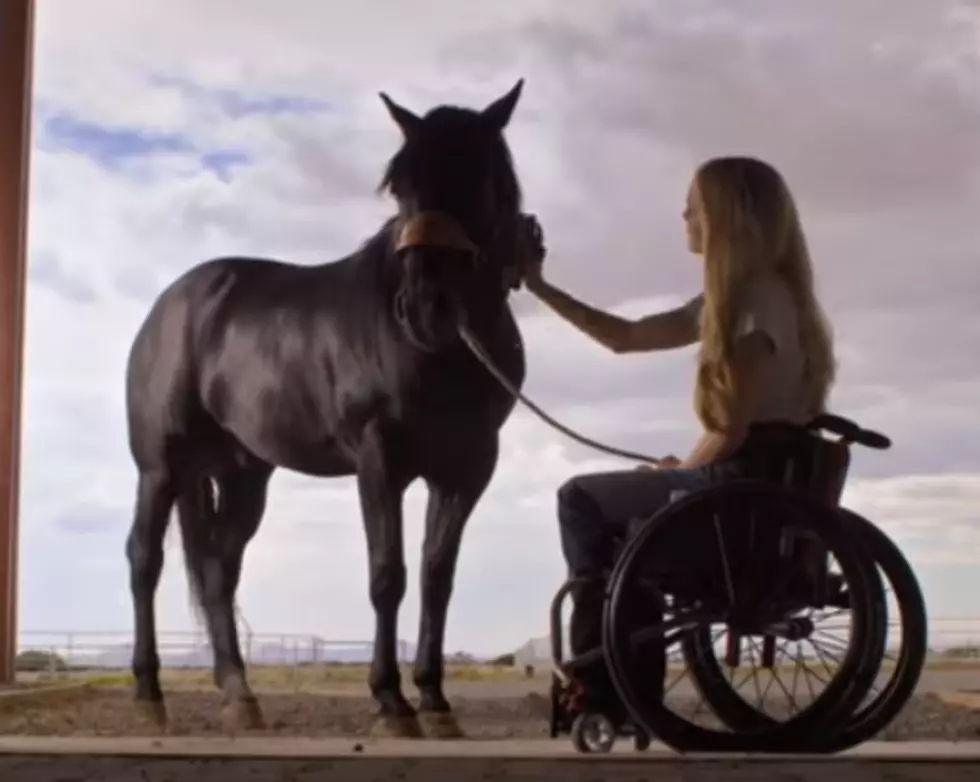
(578, 697)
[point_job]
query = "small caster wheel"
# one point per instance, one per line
(593, 733)
(641, 741)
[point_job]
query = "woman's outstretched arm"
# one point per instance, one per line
(662, 331)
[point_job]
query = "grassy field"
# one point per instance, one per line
(352, 678)
(278, 677)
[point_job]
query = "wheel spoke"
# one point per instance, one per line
(823, 658)
(800, 664)
(775, 678)
(723, 549)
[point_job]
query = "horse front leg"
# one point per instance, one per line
(452, 497)
(381, 488)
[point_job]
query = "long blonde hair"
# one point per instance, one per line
(751, 228)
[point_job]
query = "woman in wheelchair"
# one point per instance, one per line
(766, 355)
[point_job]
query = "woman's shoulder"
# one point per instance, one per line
(766, 304)
(767, 294)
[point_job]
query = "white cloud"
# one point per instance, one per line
(611, 124)
(932, 516)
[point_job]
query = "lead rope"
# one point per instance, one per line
(484, 358)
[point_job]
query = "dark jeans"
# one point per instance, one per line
(594, 511)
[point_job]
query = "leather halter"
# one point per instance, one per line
(428, 229)
(434, 229)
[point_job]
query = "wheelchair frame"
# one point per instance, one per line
(807, 475)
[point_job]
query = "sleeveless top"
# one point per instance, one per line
(768, 308)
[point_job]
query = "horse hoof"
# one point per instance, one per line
(440, 725)
(152, 713)
(396, 727)
(242, 715)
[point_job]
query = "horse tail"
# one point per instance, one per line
(197, 513)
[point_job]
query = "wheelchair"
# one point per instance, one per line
(750, 567)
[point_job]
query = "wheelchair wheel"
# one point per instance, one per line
(723, 556)
(903, 669)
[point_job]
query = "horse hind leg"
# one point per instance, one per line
(144, 550)
(215, 535)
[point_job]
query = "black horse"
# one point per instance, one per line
(353, 367)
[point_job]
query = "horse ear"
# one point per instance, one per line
(404, 118)
(498, 113)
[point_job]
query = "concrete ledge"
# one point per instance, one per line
(487, 765)
(531, 750)
(43, 696)
(174, 759)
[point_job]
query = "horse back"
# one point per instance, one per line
(291, 363)
(258, 345)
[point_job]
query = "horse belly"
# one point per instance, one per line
(283, 435)
(325, 463)
(308, 456)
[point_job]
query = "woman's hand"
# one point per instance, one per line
(664, 463)
(532, 251)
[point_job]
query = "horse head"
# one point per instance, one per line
(459, 228)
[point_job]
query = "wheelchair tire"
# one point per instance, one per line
(855, 674)
(593, 733)
(870, 718)
(641, 741)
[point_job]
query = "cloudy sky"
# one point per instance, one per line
(170, 131)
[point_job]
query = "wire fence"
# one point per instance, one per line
(951, 639)
(52, 651)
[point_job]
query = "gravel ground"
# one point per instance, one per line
(110, 713)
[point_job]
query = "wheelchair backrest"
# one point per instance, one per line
(819, 468)
(808, 460)
(804, 458)
(800, 458)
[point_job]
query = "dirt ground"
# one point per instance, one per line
(491, 708)
(487, 709)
